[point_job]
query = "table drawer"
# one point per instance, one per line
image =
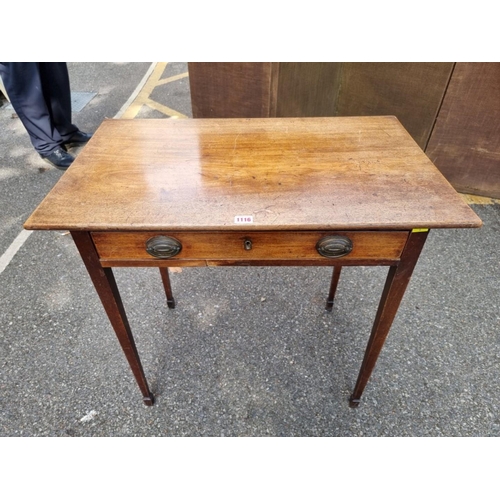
(251, 245)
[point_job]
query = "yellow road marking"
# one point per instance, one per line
(143, 97)
(164, 109)
(171, 79)
(478, 200)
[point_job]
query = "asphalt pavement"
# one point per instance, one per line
(247, 351)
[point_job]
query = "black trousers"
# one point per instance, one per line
(40, 95)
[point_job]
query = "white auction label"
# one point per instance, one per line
(243, 219)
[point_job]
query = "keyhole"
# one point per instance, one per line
(248, 244)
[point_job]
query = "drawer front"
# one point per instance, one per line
(248, 246)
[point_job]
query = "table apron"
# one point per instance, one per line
(272, 248)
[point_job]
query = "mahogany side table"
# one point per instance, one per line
(346, 191)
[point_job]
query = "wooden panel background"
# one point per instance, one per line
(411, 91)
(231, 90)
(465, 144)
(307, 89)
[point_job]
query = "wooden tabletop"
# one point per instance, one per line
(284, 173)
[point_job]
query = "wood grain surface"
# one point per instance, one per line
(307, 89)
(231, 90)
(465, 144)
(411, 91)
(265, 244)
(341, 173)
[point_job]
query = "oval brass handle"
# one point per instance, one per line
(334, 246)
(163, 247)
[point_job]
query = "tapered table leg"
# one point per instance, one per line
(395, 286)
(105, 285)
(168, 289)
(333, 287)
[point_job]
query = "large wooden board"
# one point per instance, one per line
(307, 89)
(465, 144)
(231, 90)
(411, 91)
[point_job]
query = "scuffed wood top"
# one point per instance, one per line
(287, 173)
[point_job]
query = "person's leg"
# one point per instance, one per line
(24, 88)
(57, 94)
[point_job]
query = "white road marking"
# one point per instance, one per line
(13, 248)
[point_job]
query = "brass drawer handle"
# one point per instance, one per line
(163, 247)
(334, 246)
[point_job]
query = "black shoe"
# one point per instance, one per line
(78, 139)
(59, 158)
